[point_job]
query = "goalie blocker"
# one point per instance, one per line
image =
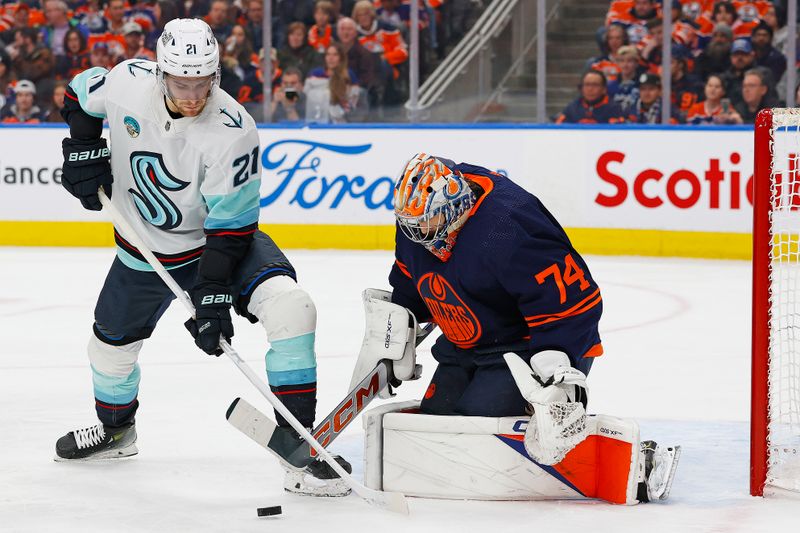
(484, 458)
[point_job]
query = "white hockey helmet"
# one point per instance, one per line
(187, 48)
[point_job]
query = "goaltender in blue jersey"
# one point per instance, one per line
(483, 259)
(486, 262)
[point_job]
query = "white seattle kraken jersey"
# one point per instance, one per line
(174, 180)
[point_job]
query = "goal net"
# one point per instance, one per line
(775, 399)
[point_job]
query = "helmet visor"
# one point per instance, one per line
(182, 88)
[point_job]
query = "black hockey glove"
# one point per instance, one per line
(212, 302)
(87, 166)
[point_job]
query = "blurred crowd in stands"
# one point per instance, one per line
(728, 61)
(332, 60)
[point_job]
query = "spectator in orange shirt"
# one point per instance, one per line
(684, 30)
(24, 109)
(593, 105)
(378, 37)
(725, 11)
(19, 16)
(76, 57)
(321, 34)
(716, 108)
(614, 39)
(633, 15)
(110, 33)
(751, 11)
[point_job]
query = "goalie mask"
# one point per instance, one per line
(432, 202)
(187, 49)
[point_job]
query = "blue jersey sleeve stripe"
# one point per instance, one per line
(78, 85)
(245, 219)
(229, 206)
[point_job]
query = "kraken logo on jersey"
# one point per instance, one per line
(151, 176)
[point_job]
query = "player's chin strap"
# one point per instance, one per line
(391, 501)
(555, 391)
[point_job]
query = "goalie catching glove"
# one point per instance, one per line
(557, 392)
(87, 167)
(391, 334)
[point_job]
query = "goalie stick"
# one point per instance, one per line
(284, 444)
(390, 501)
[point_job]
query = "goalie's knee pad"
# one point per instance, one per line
(290, 318)
(115, 371)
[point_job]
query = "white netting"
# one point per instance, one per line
(784, 341)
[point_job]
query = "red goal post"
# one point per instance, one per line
(775, 395)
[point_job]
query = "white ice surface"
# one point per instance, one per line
(676, 334)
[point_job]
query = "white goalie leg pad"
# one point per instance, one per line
(483, 458)
(390, 334)
(283, 308)
(113, 361)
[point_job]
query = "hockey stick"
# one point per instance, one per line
(391, 501)
(261, 429)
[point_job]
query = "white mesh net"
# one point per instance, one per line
(783, 439)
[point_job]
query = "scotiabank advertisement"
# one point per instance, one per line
(663, 179)
(690, 181)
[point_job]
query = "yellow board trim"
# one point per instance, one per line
(588, 241)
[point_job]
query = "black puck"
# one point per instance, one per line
(269, 511)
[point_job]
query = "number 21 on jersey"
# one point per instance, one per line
(572, 274)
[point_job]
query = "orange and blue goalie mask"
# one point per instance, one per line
(431, 200)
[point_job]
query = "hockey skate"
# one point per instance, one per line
(97, 442)
(657, 470)
(317, 479)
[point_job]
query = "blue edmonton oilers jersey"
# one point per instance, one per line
(513, 276)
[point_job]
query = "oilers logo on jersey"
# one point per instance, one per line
(456, 320)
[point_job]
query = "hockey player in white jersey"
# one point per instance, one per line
(185, 172)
